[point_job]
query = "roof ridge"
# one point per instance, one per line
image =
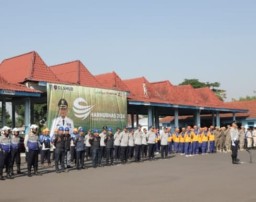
(19, 56)
(73, 61)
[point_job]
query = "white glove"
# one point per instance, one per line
(233, 143)
(27, 149)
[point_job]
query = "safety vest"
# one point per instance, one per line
(33, 142)
(181, 135)
(199, 137)
(15, 142)
(187, 138)
(211, 136)
(170, 138)
(176, 137)
(5, 143)
(204, 138)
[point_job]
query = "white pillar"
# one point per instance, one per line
(150, 117)
(176, 118)
(27, 114)
(218, 119)
(198, 118)
(234, 116)
(3, 112)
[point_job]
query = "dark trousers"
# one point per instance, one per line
(95, 157)
(144, 150)
(123, 154)
(59, 158)
(5, 161)
(164, 151)
(234, 150)
(73, 153)
(15, 157)
(33, 160)
(45, 156)
(88, 152)
(130, 152)
(137, 152)
(117, 152)
(151, 149)
(102, 153)
(109, 155)
(80, 159)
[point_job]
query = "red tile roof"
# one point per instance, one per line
(26, 67)
(4, 85)
(142, 90)
(249, 105)
(112, 80)
(186, 94)
(75, 73)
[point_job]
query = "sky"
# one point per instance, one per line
(210, 40)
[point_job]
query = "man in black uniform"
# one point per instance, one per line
(5, 153)
(109, 147)
(95, 144)
(59, 144)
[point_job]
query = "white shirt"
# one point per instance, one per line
(102, 139)
(144, 138)
(138, 137)
(124, 139)
(59, 122)
(151, 137)
(164, 138)
(87, 142)
(117, 138)
(131, 140)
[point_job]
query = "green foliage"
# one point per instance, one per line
(195, 83)
(247, 98)
(7, 118)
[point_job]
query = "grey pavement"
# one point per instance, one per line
(206, 178)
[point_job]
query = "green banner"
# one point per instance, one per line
(74, 106)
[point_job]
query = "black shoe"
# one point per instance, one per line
(19, 172)
(69, 166)
(29, 175)
(9, 176)
(2, 178)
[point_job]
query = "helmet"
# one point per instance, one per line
(15, 130)
(81, 129)
(60, 128)
(34, 126)
(6, 128)
(67, 129)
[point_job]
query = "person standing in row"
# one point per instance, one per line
(88, 145)
(45, 141)
(144, 144)
(109, 147)
(95, 142)
(5, 153)
(72, 145)
(59, 144)
(151, 142)
(131, 145)
(234, 134)
(102, 152)
(80, 150)
(15, 151)
(67, 139)
(32, 146)
(117, 141)
(124, 144)
(138, 141)
(164, 142)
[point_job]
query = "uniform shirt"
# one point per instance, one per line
(59, 121)
(175, 137)
(144, 139)
(124, 139)
(31, 142)
(234, 134)
(5, 143)
(138, 137)
(102, 139)
(117, 138)
(45, 141)
(15, 142)
(151, 137)
(87, 142)
(164, 138)
(204, 137)
(131, 140)
(181, 137)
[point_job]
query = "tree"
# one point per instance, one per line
(195, 83)
(8, 121)
(246, 98)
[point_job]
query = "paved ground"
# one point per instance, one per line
(208, 178)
